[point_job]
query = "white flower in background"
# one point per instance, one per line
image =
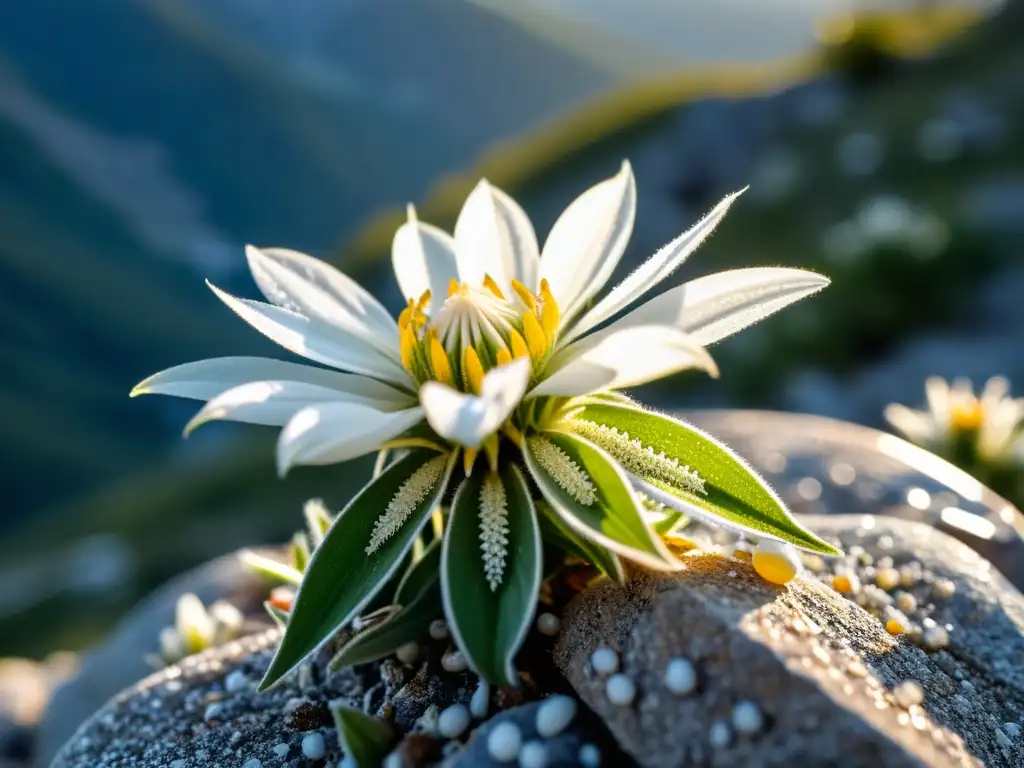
(992, 424)
(508, 350)
(195, 629)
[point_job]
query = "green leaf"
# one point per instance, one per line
(488, 624)
(556, 531)
(736, 497)
(318, 521)
(299, 551)
(421, 576)
(612, 517)
(365, 739)
(280, 617)
(343, 576)
(273, 570)
(408, 625)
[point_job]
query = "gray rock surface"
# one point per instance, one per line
(119, 662)
(822, 680)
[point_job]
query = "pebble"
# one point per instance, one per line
(454, 661)
(906, 602)
(281, 749)
(590, 756)
(620, 690)
(719, 734)
(439, 629)
(680, 677)
(604, 661)
(1003, 740)
(935, 638)
(313, 746)
(533, 755)
(747, 718)
(213, 711)
(908, 693)
(549, 624)
(253, 763)
(554, 714)
(944, 588)
(1012, 730)
(408, 653)
(887, 578)
(894, 627)
(453, 721)
(480, 700)
(177, 764)
(503, 742)
(236, 681)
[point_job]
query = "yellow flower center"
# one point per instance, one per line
(966, 414)
(476, 329)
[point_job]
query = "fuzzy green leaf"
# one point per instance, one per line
(342, 577)
(421, 576)
(556, 531)
(612, 518)
(365, 739)
(488, 624)
(318, 521)
(299, 551)
(735, 496)
(407, 626)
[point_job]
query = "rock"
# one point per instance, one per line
(819, 669)
(119, 662)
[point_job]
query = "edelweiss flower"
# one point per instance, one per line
(503, 359)
(963, 427)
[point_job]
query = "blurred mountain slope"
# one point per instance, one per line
(142, 143)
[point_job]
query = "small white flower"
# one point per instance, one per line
(993, 423)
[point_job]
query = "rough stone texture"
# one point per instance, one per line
(819, 667)
(119, 662)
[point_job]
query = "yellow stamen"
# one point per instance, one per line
(504, 356)
(968, 415)
(550, 315)
(405, 316)
(424, 301)
(519, 348)
(439, 360)
(453, 287)
(535, 338)
(408, 348)
(413, 442)
(468, 457)
(493, 286)
(513, 433)
(491, 447)
(472, 369)
(524, 295)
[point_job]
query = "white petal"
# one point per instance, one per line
(468, 419)
(652, 271)
(719, 305)
(315, 339)
(330, 433)
(588, 240)
(916, 426)
(936, 390)
(314, 288)
(206, 379)
(625, 358)
(494, 236)
(271, 403)
(423, 257)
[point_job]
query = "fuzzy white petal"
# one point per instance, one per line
(423, 257)
(494, 236)
(624, 358)
(651, 272)
(588, 240)
(314, 288)
(329, 433)
(206, 379)
(468, 419)
(315, 339)
(719, 305)
(916, 426)
(274, 402)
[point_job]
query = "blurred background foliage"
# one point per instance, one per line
(143, 142)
